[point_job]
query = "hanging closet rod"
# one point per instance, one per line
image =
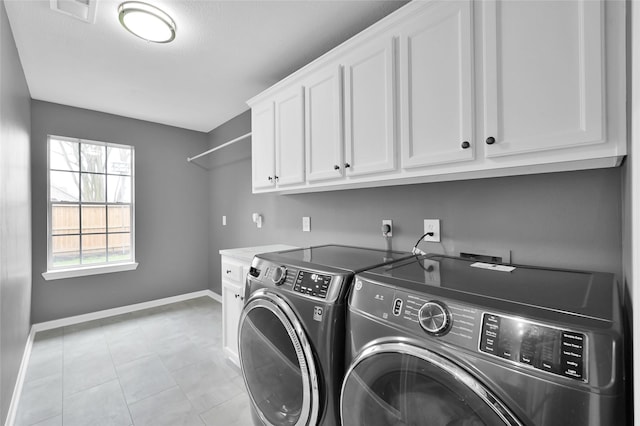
(190, 159)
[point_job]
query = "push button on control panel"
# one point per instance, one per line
(572, 354)
(488, 340)
(397, 307)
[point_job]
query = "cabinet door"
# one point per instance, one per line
(232, 301)
(323, 130)
(290, 137)
(543, 75)
(370, 107)
(436, 77)
(263, 146)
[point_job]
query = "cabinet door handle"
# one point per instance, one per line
(236, 295)
(336, 167)
(228, 271)
(276, 177)
(465, 145)
(241, 298)
(270, 178)
(491, 140)
(347, 165)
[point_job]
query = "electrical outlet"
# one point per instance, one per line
(306, 224)
(387, 222)
(432, 225)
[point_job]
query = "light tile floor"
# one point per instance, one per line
(159, 366)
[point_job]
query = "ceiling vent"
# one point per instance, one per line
(84, 10)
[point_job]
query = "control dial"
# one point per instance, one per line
(279, 274)
(434, 317)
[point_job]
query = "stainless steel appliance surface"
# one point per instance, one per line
(291, 332)
(440, 340)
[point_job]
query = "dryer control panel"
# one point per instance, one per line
(312, 283)
(315, 284)
(550, 349)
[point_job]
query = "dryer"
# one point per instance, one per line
(291, 332)
(443, 341)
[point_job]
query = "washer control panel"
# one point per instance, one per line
(532, 345)
(542, 347)
(419, 313)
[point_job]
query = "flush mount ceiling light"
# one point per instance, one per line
(147, 22)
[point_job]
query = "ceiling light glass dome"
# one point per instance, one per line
(147, 22)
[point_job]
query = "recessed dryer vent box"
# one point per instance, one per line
(483, 254)
(84, 10)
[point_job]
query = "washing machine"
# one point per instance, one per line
(438, 340)
(291, 331)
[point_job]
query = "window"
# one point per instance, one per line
(90, 206)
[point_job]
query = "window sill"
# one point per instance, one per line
(83, 272)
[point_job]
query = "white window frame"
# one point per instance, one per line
(54, 273)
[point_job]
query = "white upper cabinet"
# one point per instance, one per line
(445, 90)
(277, 141)
(323, 124)
(436, 76)
(369, 99)
(289, 134)
(263, 145)
(543, 75)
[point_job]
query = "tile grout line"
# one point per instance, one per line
(83, 389)
(154, 353)
(176, 386)
(124, 397)
(44, 420)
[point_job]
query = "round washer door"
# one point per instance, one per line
(277, 362)
(401, 384)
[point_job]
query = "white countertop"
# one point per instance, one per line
(247, 253)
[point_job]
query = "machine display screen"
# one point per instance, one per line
(544, 348)
(312, 284)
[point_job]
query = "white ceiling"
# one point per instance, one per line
(225, 52)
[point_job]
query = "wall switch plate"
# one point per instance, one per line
(306, 224)
(390, 223)
(432, 225)
(224, 221)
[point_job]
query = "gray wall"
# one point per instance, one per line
(570, 219)
(171, 213)
(15, 214)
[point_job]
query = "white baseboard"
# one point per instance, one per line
(215, 296)
(77, 319)
(22, 372)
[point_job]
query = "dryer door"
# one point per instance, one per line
(401, 384)
(277, 362)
